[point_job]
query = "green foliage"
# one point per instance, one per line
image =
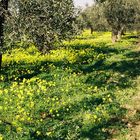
(43, 21)
(137, 25)
(112, 15)
(120, 13)
(72, 93)
(93, 17)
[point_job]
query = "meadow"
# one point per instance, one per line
(75, 92)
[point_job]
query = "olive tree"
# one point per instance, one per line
(119, 14)
(87, 19)
(3, 12)
(45, 22)
(93, 17)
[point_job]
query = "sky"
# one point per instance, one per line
(82, 3)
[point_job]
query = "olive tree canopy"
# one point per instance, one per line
(93, 18)
(45, 22)
(120, 14)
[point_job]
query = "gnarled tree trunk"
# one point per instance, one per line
(117, 34)
(120, 33)
(91, 29)
(3, 9)
(114, 35)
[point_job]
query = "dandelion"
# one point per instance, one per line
(1, 108)
(95, 116)
(1, 137)
(32, 104)
(17, 117)
(38, 133)
(49, 133)
(57, 115)
(19, 129)
(110, 100)
(51, 111)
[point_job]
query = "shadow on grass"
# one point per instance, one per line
(105, 130)
(130, 37)
(128, 67)
(133, 54)
(128, 70)
(97, 48)
(21, 70)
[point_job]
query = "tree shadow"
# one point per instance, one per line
(133, 54)
(98, 73)
(18, 72)
(106, 129)
(130, 37)
(101, 47)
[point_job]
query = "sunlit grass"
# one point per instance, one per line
(71, 93)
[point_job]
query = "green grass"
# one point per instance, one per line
(74, 93)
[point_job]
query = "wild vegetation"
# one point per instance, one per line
(61, 81)
(115, 16)
(75, 95)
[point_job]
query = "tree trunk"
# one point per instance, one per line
(120, 33)
(1, 38)
(43, 46)
(3, 7)
(91, 28)
(123, 31)
(114, 35)
(119, 36)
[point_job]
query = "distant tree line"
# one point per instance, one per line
(112, 15)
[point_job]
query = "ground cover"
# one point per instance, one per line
(78, 91)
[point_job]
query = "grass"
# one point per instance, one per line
(78, 91)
